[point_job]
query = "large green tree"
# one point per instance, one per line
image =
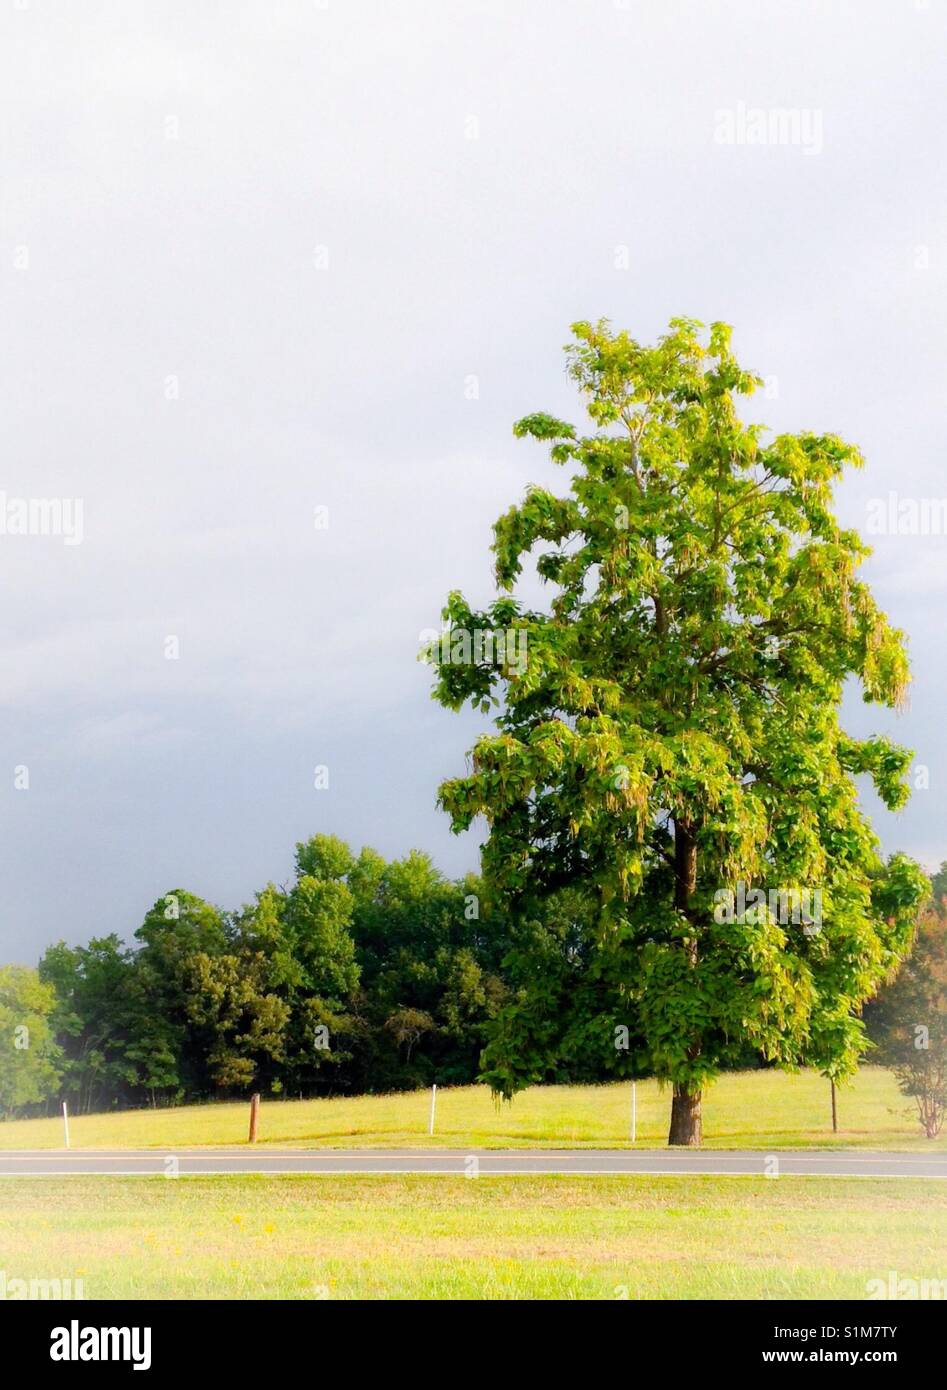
(668, 726)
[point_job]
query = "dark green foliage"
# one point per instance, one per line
(361, 975)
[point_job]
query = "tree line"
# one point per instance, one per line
(358, 975)
(363, 975)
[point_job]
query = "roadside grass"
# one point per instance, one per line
(755, 1109)
(421, 1237)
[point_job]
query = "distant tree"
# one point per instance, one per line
(407, 1026)
(566, 1016)
(908, 1022)
(106, 1028)
(304, 935)
(428, 947)
(181, 1028)
(248, 1019)
(668, 728)
(29, 1057)
(939, 891)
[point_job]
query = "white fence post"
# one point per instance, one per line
(430, 1128)
(634, 1111)
(65, 1122)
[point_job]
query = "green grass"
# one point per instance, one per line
(743, 1110)
(490, 1237)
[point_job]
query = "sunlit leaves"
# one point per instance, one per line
(704, 614)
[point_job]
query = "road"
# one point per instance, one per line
(812, 1163)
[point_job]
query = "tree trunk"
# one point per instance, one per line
(685, 1118)
(685, 866)
(685, 1105)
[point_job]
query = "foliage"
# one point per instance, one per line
(674, 731)
(908, 1022)
(359, 975)
(28, 1053)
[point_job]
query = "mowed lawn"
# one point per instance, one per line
(742, 1110)
(340, 1237)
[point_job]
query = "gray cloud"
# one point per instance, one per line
(264, 260)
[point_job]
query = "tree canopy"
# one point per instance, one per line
(358, 975)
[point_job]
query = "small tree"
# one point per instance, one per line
(29, 1057)
(408, 1026)
(668, 727)
(909, 1023)
(939, 891)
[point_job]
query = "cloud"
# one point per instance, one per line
(285, 257)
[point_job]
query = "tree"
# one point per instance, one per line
(182, 1025)
(567, 1017)
(248, 1018)
(407, 1026)
(908, 1022)
(108, 1031)
(939, 890)
(29, 1057)
(430, 952)
(668, 730)
(304, 937)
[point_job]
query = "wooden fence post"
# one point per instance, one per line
(254, 1116)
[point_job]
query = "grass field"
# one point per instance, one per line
(743, 1110)
(490, 1237)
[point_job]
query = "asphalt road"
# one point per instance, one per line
(814, 1163)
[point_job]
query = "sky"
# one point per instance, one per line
(278, 277)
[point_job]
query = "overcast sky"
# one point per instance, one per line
(262, 258)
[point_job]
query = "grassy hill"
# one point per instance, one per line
(743, 1110)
